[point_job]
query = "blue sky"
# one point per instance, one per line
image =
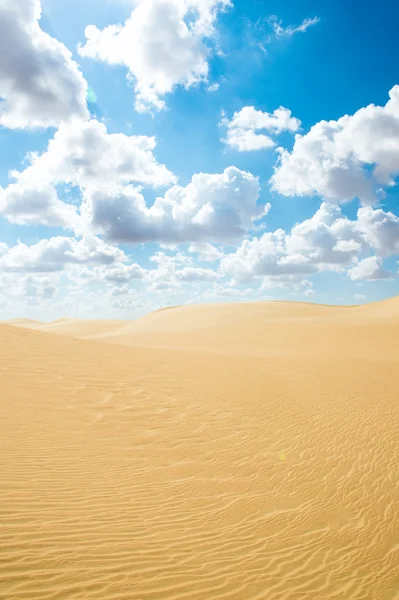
(143, 163)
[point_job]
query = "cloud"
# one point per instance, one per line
(27, 204)
(244, 127)
(211, 208)
(162, 44)
(380, 230)
(354, 157)
(280, 31)
(121, 274)
(42, 288)
(26, 288)
(226, 292)
(309, 293)
(40, 84)
(54, 254)
(84, 155)
(327, 241)
(172, 272)
(310, 247)
(188, 274)
(359, 297)
(205, 251)
(369, 269)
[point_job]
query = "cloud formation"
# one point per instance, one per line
(280, 31)
(81, 154)
(54, 254)
(162, 44)
(40, 84)
(354, 157)
(246, 130)
(211, 208)
(326, 242)
(369, 269)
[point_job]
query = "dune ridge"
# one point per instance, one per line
(237, 451)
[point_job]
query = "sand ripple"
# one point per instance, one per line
(145, 474)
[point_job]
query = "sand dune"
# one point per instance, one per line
(73, 327)
(221, 452)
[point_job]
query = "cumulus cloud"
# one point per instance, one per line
(36, 202)
(369, 269)
(380, 230)
(354, 157)
(173, 271)
(327, 241)
(40, 84)
(206, 252)
(42, 288)
(26, 288)
(162, 44)
(84, 154)
(212, 208)
(188, 274)
(54, 254)
(121, 274)
(311, 246)
(81, 154)
(243, 130)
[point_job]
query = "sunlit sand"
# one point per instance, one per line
(232, 451)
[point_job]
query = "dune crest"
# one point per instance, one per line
(237, 451)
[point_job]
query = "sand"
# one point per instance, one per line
(235, 452)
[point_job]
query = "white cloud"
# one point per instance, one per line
(293, 281)
(162, 44)
(309, 293)
(125, 300)
(311, 246)
(121, 274)
(369, 269)
(173, 271)
(188, 274)
(327, 241)
(42, 288)
(380, 230)
(244, 127)
(359, 297)
(32, 203)
(84, 155)
(354, 157)
(25, 288)
(40, 84)
(226, 292)
(206, 252)
(280, 31)
(220, 207)
(54, 254)
(171, 262)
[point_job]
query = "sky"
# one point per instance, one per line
(163, 152)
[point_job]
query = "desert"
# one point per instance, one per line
(222, 451)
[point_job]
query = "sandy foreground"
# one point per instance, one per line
(236, 452)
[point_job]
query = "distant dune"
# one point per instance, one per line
(218, 452)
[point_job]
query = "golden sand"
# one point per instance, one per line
(235, 452)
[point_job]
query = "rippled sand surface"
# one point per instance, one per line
(236, 452)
